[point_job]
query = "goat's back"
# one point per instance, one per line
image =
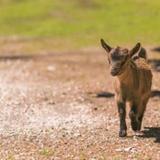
(143, 75)
(142, 64)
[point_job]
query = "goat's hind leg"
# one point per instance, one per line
(141, 110)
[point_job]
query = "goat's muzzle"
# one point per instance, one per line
(115, 71)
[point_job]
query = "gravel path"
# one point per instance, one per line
(61, 106)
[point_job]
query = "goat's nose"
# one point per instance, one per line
(114, 72)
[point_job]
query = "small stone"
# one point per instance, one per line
(51, 68)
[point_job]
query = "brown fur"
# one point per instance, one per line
(132, 83)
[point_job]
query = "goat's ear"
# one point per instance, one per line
(105, 46)
(135, 49)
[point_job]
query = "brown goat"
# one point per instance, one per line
(133, 80)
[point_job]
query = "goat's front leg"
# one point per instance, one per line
(122, 116)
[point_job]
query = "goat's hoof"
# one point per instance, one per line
(134, 125)
(122, 133)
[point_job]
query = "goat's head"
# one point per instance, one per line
(118, 57)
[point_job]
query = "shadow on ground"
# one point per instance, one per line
(152, 132)
(25, 56)
(15, 57)
(156, 49)
(155, 63)
(104, 95)
(154, 93)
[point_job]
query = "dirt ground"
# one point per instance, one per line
(60, 106)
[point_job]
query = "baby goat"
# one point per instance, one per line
(133, 80)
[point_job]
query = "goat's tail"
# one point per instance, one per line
(142, 53)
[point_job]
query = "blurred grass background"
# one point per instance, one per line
(72, 24)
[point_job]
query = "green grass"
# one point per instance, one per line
(82, 23)
(46, 152)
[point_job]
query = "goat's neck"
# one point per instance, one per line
(125, 76)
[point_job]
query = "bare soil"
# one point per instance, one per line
(60, 106)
